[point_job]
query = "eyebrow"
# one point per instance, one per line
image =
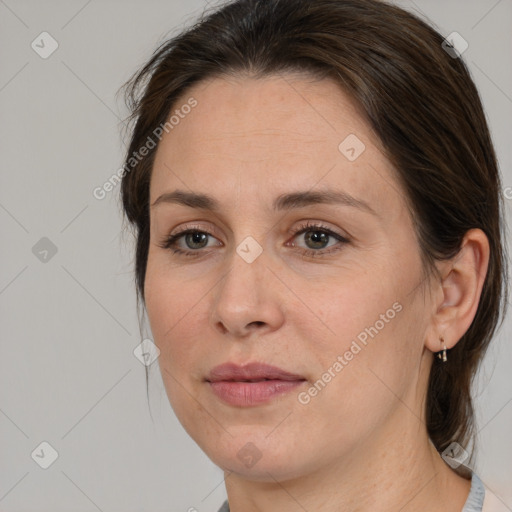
(289, 201)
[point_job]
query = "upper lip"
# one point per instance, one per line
(250, 372)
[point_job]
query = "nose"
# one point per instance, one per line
(248, 299)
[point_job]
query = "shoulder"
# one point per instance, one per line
(491, 502)
(481, 499)
(475, 501)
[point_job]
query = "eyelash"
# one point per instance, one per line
(170, 241)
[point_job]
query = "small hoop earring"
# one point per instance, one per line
(442, 354)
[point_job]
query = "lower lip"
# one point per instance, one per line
(246, 394)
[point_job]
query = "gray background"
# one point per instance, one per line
(68, 375)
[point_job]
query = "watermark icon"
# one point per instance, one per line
(304, 397)
(137, 156)
(249, 249)
(249, 454)
(454, 45)
(454, 455)
(146, 352)
(44, 45)
(44, 455)
(351, 147)
(508, 192)
(44, 250)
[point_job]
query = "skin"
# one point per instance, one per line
(361, 443)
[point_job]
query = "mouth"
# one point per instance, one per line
(251, 384)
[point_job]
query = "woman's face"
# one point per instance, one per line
(303, 258)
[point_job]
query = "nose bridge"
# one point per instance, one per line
(246, 274)
(246, 294)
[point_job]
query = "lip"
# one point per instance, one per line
(251, 384)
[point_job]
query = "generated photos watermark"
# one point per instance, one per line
(304, 397)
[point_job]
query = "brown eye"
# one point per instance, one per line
(316, 239)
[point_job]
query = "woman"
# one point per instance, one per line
(319, 251)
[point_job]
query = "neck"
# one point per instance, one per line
(398, 470)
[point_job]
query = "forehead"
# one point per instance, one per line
(274, 133)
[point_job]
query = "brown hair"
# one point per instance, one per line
(420, 101)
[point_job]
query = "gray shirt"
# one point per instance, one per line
(474, 503)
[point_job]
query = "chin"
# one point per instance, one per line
(262, 471)
(256, 457)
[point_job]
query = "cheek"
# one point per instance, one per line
(363, 342)
(347, 309)
(173, 313)
(172, 310)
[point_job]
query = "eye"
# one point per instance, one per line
(189, 242)
(317, 238)
(195, 239)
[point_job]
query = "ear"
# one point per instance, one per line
(457, 294)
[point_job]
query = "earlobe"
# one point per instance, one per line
(462, 280)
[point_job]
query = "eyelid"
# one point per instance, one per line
(194, 227)
(310, 225)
